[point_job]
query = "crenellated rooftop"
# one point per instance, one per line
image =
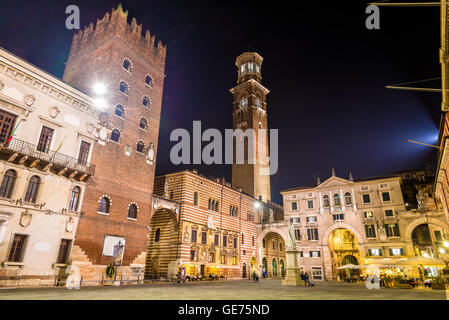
(116, 24)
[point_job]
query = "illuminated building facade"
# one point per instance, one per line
(362, 222)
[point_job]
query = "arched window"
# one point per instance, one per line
(195, 198)
(140, 147)
(143, 124)
(9, 180)
(33, 188)
(146, 102)
(126, 65)
(115, 135)
(348, 198)
(325, 200)
(74, 199)
(258, 103)
(263, 243)
(124, 87)
(157, 236)
(149, 80)
(132, 211)
(337, 201)
(243, 238)
(104, 205)
(119, 111)
(216, 206)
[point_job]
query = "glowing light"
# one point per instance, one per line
(446, 244)
(426, 255)
(257, 205)
(99, 88)
(100, 103)
(442, 250)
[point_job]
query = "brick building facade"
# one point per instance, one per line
(130, 68)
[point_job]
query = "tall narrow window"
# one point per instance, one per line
(225, 241)
(157, 236)
(8, 182)
(146, 102)
(45, 139)
(115, 135)
(74, 199)
(143, 124)
(193, 236)
(132, 211)
(326, 201)
(203, 237)
(348, 198)
(119, 111)
(140, 147)
(149, 80)
(123, 87)
(337, 202)
(104, 205)
(33, 188)
(84, 153)
(17, 248)
(7, 121)
(195, 198)
(64, 251)
(126, 65)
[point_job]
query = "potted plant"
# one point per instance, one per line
(402, 283)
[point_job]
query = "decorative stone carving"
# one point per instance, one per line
(211, 223)
(103, 133)
(53, 111)
(25, 219)
(150, 154)
(161, 203)
(2, 85)
(90, 127)
(166, 189)
(381, 232)
(29, 99)
(291, 237)
(69, 225)
(185, 237)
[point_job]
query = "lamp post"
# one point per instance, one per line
(118, 250)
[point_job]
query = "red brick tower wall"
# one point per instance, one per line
(97, 54)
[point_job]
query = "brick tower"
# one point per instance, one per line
(130, 70)
(250, 112)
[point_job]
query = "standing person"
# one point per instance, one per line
(183, 274)
(306, 276)
(303, 277)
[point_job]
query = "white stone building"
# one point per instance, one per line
(364, 221)
(43, 170)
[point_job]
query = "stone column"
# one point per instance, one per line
(292, 275)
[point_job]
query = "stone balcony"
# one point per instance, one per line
(24, 153)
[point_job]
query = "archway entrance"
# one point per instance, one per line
(344, 249)
(244, 271)
(253, 263)
(422, 241)
(162, 244)
(273, 251)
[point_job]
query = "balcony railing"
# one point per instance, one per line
(55, 158)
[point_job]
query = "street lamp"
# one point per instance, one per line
(117, 254)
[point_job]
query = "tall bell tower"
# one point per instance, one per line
(250, 112)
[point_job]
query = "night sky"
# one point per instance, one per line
(326, 73)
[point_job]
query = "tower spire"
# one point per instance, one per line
(318, 181)
(350, 176)
(333, 172)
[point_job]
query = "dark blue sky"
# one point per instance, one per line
(325, 70)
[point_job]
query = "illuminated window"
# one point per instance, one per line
(348, 198)
(223, 259)
(104, 205)
(146, 102)
(396, 252)
(119, 111)
(126, 65)
(250, 67)
(143, 124)
(244, 102)
(132, 211)
(368, 214)
(115, 135)
(325, 201)
(337, 201)
(123, 87)
(234, 260)
(149, 81)
(374, 252)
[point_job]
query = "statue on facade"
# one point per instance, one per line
(165, 189)
(420, 197)
(291, 237)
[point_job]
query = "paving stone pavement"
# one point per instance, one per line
(225, 290)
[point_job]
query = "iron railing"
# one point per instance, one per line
(30, 150)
